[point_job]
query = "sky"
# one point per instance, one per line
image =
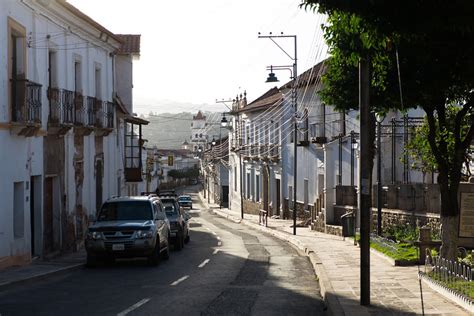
(194, 52)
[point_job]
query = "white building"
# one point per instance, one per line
(199, 132)
(255, 161)
(61, 152)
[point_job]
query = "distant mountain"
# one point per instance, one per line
(170, 130)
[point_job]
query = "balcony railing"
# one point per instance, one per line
(90, 111)
(26, 107)
(61, 106)
(274, 151)
(79, 107)
(104, 114)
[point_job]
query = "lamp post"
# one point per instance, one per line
(294, 75)
(379, 119)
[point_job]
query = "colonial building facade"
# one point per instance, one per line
(60, 131)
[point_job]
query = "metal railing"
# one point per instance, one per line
(79, 118)
(104, 114)
(26, 107)
(453, 276)
(90, 111)
(61, 106)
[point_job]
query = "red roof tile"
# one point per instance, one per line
(199, 116)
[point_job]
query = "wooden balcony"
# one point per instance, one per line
(26, 107)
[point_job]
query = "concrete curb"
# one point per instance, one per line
(40, 276)
(330, 298)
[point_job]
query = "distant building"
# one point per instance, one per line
(198, 132)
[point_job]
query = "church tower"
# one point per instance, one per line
(198, 132)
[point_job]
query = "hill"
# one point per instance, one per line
(169, 130)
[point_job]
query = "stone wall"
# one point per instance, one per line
(301, 213)
(251, 207)
(397, 218)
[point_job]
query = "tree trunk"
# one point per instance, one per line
(449, 237)
(449, 219)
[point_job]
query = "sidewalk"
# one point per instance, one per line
(394, 290)
(41, 269)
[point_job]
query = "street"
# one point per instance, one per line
(226, 269)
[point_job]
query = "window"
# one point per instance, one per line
(235, 178)
(77, 76)
(132, 146)
(18, 210)
(257, 188)
(129, 210)
(17, 68)
(290, 197)
(306, 194)
(98, 92)
(248, 186)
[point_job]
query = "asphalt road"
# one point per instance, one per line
(226, 269)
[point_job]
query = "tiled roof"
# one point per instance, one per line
(309, 77)
(130, 43)
(269, 98)
(199, 116)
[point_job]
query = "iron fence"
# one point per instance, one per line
(79, 118)
(61, 106)
(454, 276)
(90, 111)
(26, 101)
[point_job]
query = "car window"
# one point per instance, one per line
(125, 210)
(170, 209)
(159, 211)
(185, 198)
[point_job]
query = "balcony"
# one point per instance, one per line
(274, 152)
(104, 117)
(319, 140)
(26, 107)
(61, 111)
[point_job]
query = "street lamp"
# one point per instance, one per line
(379, 119)
(294, 75)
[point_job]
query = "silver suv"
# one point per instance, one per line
(129, 227)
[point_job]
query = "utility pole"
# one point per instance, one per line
(294, 75)
(364, 180)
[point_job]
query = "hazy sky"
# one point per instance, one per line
(194, 52)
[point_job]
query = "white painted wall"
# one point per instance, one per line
(72, 39)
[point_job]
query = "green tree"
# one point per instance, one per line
(433, 42)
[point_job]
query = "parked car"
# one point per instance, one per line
(129, 227)
(170, 192)
(185, 201)
(178, 224)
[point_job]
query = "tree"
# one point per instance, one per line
(433, 43)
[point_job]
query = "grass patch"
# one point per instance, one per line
(400, 251)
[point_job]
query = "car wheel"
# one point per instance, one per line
(154, 258)
(166, 252)
(91, 261)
